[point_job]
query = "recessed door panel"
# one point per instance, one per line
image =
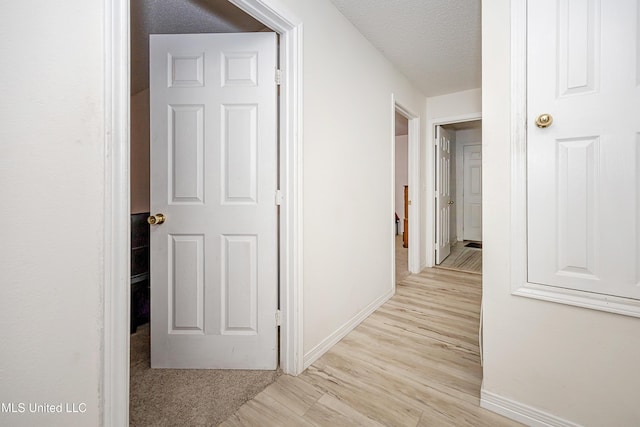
(577, 172)
(240, 147)
(240, 284)
(186, 153)
(185, 70)
(186, 284)
(239, 69)
(578, 29)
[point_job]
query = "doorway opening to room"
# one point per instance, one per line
(151, 399)
(405, 176)
(401, 197)
(458, 201)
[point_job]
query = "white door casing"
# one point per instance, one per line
(472, 192)
(583, 170)
(214, 177)
(443, 194)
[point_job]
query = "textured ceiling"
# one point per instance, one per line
(179, 17)
(435, 43)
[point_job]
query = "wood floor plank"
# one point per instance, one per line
(414, 362)
(463, 258)
(294, 393)
(329, 411)
(363, 394)
(265, 411)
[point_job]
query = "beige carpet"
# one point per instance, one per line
(181, 397)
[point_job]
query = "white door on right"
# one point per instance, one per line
(472, 192)
(583, 167)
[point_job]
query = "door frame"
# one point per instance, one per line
(431, 178)
(114, 352)
(413, 173)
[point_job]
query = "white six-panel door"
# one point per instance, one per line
(472, 192)
(214, 176)
(443, 193)
(583, 169)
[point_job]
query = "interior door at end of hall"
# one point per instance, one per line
(443, 194)
(472, 192)
(214, 177)
(583, 145)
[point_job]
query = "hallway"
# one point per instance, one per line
(414, 362)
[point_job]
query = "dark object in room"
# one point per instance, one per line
(140, 307)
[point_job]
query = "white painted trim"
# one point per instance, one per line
(413, 172)
(392, 273)
(520, 412)
(430, 256)
(275, 16)
(325, 345)
(114, 384)
(115, 346)
(519, 282)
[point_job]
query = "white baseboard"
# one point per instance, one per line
(326, 344)
(520, 412)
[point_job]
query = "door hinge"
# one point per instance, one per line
(279, 197)
(278, 77)
(278, 317)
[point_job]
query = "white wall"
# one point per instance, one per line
(574, 363)
(348, 170)
(450, 108)
(52, 174)
(401, 175)
(52, 187)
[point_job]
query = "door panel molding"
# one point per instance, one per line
(519, 279)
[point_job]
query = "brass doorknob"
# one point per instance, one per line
(451, 202)
(156, 219)
(544, 121)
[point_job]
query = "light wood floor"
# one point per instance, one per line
(402, 260)
(463, 259)
(414, 362)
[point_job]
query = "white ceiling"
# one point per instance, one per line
(435, 43)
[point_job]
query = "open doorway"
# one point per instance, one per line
(458, 215)
(405, 200)
(157, 396)
(401, 190)
(116, 335)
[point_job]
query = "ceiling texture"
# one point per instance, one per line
(434, 43)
